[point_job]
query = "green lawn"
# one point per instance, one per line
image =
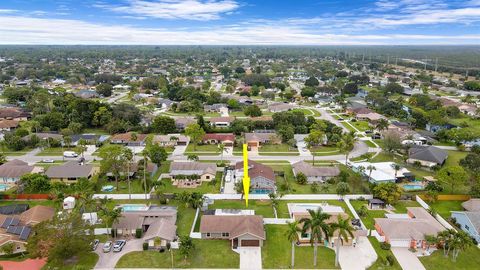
(443, 208)
(324, 150)
(261, 207)
(212, 148)
(207, 254)
(277, 148)
(454, 157)
(85, 260)
(205, 187)
(31, 203)
(468, 259)
(136, 186)
(308, 112)
(401, 206)
(277, 249)
(282, 210)
(378, 265)
(370, 144)
(368, 220)
(237, 113)
(361, 125)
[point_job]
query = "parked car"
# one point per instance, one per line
(95, 244)
(70, 154)
(48, 160)
(107, 246)
(118, 246)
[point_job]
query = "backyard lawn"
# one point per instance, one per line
(368, 220)
(401, 206)
(261, 207)
(282, 209)
(205, 187)
(277, 249)
(86, 260)
(207, 254)
(454, 157)
(443, 208)
(468, 259)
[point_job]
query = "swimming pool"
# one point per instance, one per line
(4, 187)
(412, 187)
(134, 207)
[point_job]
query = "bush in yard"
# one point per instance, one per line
(138, 233)
(391, 260)
(301, 179)
(145, 246)
(385, 246)
(314, 188)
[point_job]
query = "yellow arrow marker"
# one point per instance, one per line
(246, 178)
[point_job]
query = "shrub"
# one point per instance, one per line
(314, 188)
(161, 250)
(385, 246)
(391, 260)
(145, 246)
(138, 233)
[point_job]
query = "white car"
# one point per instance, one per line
(118, 246)
(48, 161)
(107, 246)
(70, 154)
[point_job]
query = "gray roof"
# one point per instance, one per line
(428, 153)
(313, 171)
(474, 218)
(15, 169)
(472, 205)
(190, 168)
(259, 137)
(71, 169)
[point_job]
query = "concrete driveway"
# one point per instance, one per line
(302, 145)
(361, 256)
(250, 258)
(110, 259)
(407, 259)
(179, 150)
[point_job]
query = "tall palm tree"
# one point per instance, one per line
(397, 168)
(344, 229)
(346, 144)
(319, 229)
(128, 156)
(292, 236)
(370, 168)
(112, 217)
(221, 147)
(83, 146)
(145, 172)
(382, 124)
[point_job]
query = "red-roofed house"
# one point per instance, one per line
(228, 139)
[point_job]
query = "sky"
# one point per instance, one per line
(240, 22)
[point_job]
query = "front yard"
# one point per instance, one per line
(277, 249)
(379, 264)
(283, 149)
(207, 254)
(58, 151)
(468, 259)
(209, 149)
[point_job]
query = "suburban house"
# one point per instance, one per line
(298, 211)
(435, 127)
(221, 122)
(469, 220)
(241, 230)
(165, 103)
(157, 223)
(171, 140)
(262, 177)
(315, 174)
(357, 108)
(371, 117)
(16, 228)
(256, 139)
(191, 174)
(280, 107)
(14, 114)
(71, 171)
(428, 156)
(44, 136)
(152, 168)
(408, 230)
(90, 139)
(383, 172)
(228, 139)
(217, 107)
(182, 122)
(86, 94)
(11, 171)
(8, 125)
(129, 139)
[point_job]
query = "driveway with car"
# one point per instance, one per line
(110, 259)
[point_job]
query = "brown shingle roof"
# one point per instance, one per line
(8, 123)
(219, 137)
(472, 205)
(257, 169)
(37, 214)
(234, 225)
(310, 170)
(10, 113)
(189, 168)
(127, 137)
(15, 169)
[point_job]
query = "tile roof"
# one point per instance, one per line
(256, 169)
(234, 225)
(15, 169)
(310, 170)
(189, 168)
(219, 137)
(472, 205)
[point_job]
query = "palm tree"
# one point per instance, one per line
(221, 147)
(112, 217)
(186, 246)
(370, 168)
(382, 124)
(145, 172)
(192, 157)
(345, 229)
(461, 241)
(128, 156)
(397, 168)
(445, 238)
(82, 146)
(346, 145)
(292, 236)
(318, 228)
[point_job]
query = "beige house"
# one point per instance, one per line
(315, 174)
(171, 140)
(241, 230)
(256, 139)
(191, 174)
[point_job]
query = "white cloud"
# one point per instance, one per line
(176, 9)
(7, 11)
(25, 30)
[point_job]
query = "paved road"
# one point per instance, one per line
(407, 259)
(250, 258)
(325, 115)
(114, 98)
(109, 260)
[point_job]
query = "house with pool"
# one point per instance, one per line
(157, 223)
(382, 172)
(11, 171)
(262, 177)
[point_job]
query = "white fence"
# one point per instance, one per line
(101, 231)
(193, 234)
(437, 216)
(355, 215)
(277, 221)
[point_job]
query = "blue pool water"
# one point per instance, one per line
(412, 187)
(134, 207)
(4, 187)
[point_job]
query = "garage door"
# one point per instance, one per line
(181, 143)
(400, 243)
(254, 144)
(250, 243)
